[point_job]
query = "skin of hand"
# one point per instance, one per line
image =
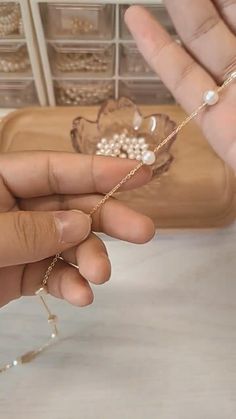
(207, 55)
(45, 199)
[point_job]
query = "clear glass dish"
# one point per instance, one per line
(117, 117)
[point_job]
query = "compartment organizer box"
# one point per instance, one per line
(88, 54)
(21, 78)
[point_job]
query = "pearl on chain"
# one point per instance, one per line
(148, 157)
(233, 75)
(211, 97)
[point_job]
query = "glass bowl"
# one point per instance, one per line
(116, 117)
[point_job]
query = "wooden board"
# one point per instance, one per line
(198, 191)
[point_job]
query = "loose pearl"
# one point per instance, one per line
(122, 156)
(144, 147)
(148, 158)
(125, 147)
(103, 141)
(211, 97)
(116, 151)
(138, 157)
(99, 146)
(131, 156)
(141, 140)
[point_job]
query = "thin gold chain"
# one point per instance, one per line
(52, 319)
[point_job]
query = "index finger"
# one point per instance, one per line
(39, 173)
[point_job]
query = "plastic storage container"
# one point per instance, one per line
(14, 59)
(149, 92)
(158, 11)
(11, 25)
(17, 93)
(84, 92)
(84, 60)
(86, 21)
(132, 62)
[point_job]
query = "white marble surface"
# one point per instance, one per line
(158, 343)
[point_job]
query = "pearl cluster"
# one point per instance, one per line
(11, 62)
(83, 94)
(82, 26)
(10, 19)
(125, 146)
(86, 62)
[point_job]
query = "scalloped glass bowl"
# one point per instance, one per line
(115, 116)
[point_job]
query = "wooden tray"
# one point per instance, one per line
(197, 191)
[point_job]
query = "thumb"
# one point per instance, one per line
(31, 236)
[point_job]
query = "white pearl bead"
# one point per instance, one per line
(141, 140)
(138, 157)
(148, 157)
(125, 147)
(127, 141)
(134, 141)
(116, 137)
(131, 156)
(116, 151)
(104, 141)
(144, 147)
(99, 146)
(123, 156)
(233, 75)
(211, 97)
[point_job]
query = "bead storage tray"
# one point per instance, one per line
(14, 60)
(73, 60)
(197, 191)
(71, 23)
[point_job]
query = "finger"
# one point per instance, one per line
(178, 70)
(114, 218)
(205, 35)
(31, 236)
(227, 8)
(65, 173)
(92, 260)
(10, 283)
(64, 282)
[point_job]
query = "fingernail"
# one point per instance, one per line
(73, 226)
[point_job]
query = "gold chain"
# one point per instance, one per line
(52, 319)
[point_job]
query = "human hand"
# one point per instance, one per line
(38, 190)
(208, 32)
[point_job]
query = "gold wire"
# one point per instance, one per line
(29, 356)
